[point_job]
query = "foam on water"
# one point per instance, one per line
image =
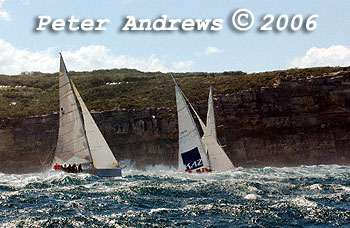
(160, 196)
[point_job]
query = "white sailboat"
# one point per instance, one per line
(79, 139)
(192, 155)
(198, 153)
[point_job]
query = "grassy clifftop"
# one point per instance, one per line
(37, 93)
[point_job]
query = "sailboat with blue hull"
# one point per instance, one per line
(79, 139)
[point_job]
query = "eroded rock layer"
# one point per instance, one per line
(296, 122)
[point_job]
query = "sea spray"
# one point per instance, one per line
(160, 196)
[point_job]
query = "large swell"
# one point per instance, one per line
(307, 196)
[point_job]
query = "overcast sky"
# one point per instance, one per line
(24, 49)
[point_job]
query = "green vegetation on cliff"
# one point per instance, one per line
(37, 93)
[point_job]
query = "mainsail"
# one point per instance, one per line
(191, 150)
(72, 146)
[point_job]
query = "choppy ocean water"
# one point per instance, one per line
(307, 196)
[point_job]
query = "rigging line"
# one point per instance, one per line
(45, 160)
(42, 164)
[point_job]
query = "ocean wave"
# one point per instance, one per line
(161, 196)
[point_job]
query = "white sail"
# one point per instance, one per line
(101, 154)
(210, 115)
(218, 159)
(191, 150)
(72, 146)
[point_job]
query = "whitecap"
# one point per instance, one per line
(251, 196)
(314, 187)
(156, 210)
(300, 201)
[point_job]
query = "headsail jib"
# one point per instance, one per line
(101, 154)
(218, 158)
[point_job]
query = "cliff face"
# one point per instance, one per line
(297, 122)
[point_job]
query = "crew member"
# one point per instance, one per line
(80, 169)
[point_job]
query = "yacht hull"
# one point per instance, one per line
(115, 172)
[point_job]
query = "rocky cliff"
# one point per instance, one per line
(296, 122)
